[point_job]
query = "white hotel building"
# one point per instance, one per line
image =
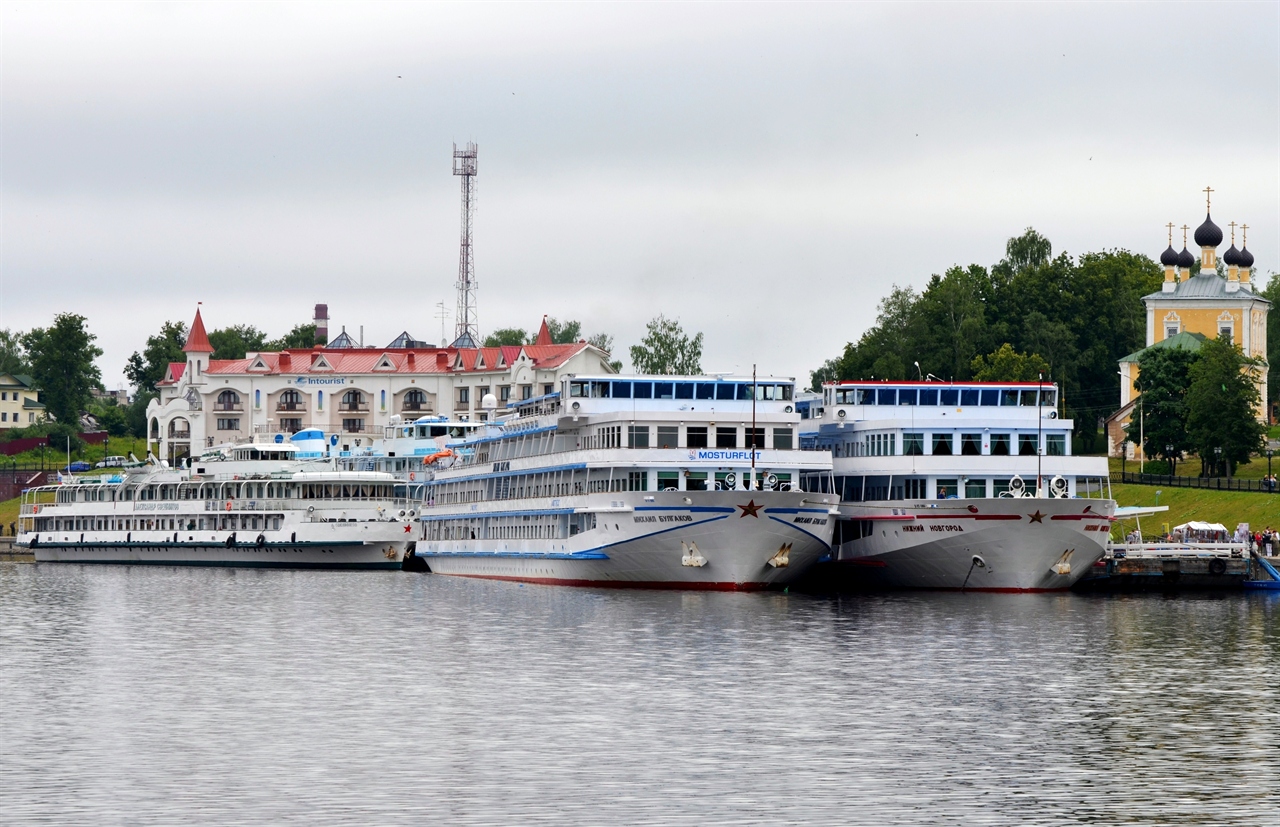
(346, 390)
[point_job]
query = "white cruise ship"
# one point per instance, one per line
(957, 485)
(275, 503)
(640, 481)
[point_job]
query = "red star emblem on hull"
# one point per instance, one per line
(750, 508)
(1037, 517)
(407, 529)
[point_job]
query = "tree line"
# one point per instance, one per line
(1071, 319)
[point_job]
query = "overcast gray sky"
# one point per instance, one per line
(761, 172)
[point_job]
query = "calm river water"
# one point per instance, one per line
(171, 696)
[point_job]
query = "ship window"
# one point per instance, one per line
(947, 489)
(887, 396)
(638, 480)
(1000, 445)
(1048, 397)
(990, 397)
(705, 390)
(599, 390)
(975, 489)
(914, 489)
(864, 396)
(726, 437)
(669, 435)
(1029, 399)
(642, 390)
(695, 437)
(907, 396)
(950, 397)
(971, 444)
(782, 439)
(1055, 445)
(638, 436)
(913, 444)
(684, 390)
(929, 396)
(968, 397)
(754, 437)
(744, 392)
(1009, 396)
(576, 389)
(668, 480)
(942, 444)
(1027, 445)
(663, 390)
(724, 390)
(621, 390)
(999, 487)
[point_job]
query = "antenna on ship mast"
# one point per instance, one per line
(466, 329)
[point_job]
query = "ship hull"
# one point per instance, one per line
(743, 540)
(1020, 545)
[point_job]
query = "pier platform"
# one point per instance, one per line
(1166, 574)
(13, 554)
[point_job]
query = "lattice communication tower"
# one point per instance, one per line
(467, 329)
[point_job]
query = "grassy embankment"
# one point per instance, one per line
(1226, 507)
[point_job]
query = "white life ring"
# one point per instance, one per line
(412, 476)
(228, 505)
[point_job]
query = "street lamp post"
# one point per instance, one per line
(1270, 487)
(1168, 457)
(1124, 455)
(1217, 466)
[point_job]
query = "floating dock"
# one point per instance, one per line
(1166, 574)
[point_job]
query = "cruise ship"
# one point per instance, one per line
(687, 482)
(272, 502)
(956, 486)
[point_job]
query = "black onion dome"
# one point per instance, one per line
(1245, 259)
(1208, 234)
(1231, 256)
(1185, 259)
(1169, 257)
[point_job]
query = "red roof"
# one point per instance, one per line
(197, 340)
(544, 334)
(371, 360)
(173, 374)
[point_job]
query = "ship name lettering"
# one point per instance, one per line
(645, 519)
(675, 518)
(810, 520)
(913, 528)
(946, 527)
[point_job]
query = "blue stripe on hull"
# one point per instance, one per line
(389, 564)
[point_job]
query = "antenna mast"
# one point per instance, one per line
(466, 330)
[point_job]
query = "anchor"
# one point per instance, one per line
(1063, 566)
(691, 557)
(782, 559)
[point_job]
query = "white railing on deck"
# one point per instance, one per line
(1137, 550)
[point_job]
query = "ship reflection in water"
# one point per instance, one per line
(170, 695)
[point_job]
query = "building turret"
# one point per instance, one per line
(1231, 257)
(1185, 260)
(1245, 260)
(198, 350)
(1169, 258)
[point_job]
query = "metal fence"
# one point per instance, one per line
(1214, 483)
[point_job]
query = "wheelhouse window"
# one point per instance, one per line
(942, 445)
(907, 396)
(969, 397)
(1009, 397)
(664, 390)
(928, 396)
(621, 390)
(1055, 445)
(1027, 446)
(726, 437)
(695, 437)
(913, 444)
(990, 397)
(949, 397)
(886, 396)
(684, 390)
(642, 390)
(707, 390)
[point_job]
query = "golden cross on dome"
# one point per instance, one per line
(1170, 226)
(1244, 228)
(1184, 234)
(1207, 192)
(1232, 225)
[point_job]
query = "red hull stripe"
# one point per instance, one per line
(970, 517)
(621, 584)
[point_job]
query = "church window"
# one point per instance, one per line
(1170, 331)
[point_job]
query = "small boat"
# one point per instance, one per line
(1264, 585)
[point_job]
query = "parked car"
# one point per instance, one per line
(78, 465)
(112, 462)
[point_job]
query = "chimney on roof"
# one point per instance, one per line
(410, 363)
(442, 359)
(322, 324)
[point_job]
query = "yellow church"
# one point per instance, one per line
(1191, 308)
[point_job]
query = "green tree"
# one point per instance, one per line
(145, 369)
(507, 336)
(951, 325)
(111, 417)
(136, 415)
(235, 341)
(13, 360)
(301, 337)
(666, 349)
(605, 342)
(1222, 407)
(1007, 365)
(1164, 375)
(564, 333)
(62, 365)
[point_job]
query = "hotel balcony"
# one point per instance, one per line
(292, 407)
